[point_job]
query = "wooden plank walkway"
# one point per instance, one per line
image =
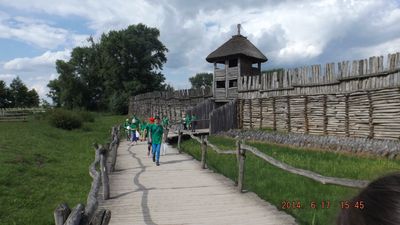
(179, 192)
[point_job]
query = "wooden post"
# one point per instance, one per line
(289, 124)
(251, 113)
(203, 151)
(347, 119)
(274, 114)
(306, 126)
(102, 217)
(76, 215)
(61, 214)
(370, 116)
(104, 175)
(261, 113)
(179, 140)
(325, 109)
(242, 157)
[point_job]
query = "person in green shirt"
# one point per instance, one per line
(194, 123)
(147, 135)
(188, 120)
(165, 122)
(156, 133)
(143, 126)
(126, 125)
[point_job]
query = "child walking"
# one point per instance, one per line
(156, 133)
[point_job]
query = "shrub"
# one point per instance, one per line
(64, 119)
(86, 116)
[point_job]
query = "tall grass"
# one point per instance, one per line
(42, 166)
(280, 187)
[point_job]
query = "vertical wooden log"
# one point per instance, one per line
(274, 113)
(179, 140)
(261, 109)
(289, 124)
(251, 113)
(306, 125)
(238, 113)
(325, 117)
(241, 112)
(242, 157)
(347, 119)
(102, 217)
(370, 116)
(76, 215)
(203, 152)
(104, 175)
(61, 214)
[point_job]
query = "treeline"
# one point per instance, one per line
(17, 95)
(105, 74)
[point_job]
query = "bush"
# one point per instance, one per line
(86, 116)
(64, 119)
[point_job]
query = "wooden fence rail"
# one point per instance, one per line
(241, 155)
(89, 215)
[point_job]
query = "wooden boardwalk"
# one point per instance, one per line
(179, 192)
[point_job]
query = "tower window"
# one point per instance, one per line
(220, 84)
(233, 83)
(233, 62)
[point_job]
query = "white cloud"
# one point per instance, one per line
(7, 77)
(290, 33)
(47, 59)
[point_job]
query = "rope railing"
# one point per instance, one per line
(241, 155)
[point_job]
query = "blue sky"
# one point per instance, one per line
(34, 34)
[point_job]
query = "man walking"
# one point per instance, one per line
(156, 133)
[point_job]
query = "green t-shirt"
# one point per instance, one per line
(156, 133)
(187, 120)
(136, 124)
(165, 122)
(143, 126)
(126, 124)
(194, 118)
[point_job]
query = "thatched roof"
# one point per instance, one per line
(237, 45)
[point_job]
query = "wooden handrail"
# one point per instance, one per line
(82, 215)
(305, 173)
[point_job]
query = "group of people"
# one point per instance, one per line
(189, 122)
(152, 131)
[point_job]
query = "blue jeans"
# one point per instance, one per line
(133, 136)
(156, 151)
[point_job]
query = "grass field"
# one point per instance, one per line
(42, 166)
(281, 188)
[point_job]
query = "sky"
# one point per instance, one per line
(34, 34)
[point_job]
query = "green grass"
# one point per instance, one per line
(42, 166)
(277, 186)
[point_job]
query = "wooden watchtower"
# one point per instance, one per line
(236, 57)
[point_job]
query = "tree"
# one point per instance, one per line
(103, 75)
(5, 95)
(32, 99)
(19, 93)
(200, 79)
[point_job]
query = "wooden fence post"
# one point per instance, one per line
(104, 175)
(61, 214)
(179, 140)
(76, 215)
(242, 157)
(203, 152)
(102, 217)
